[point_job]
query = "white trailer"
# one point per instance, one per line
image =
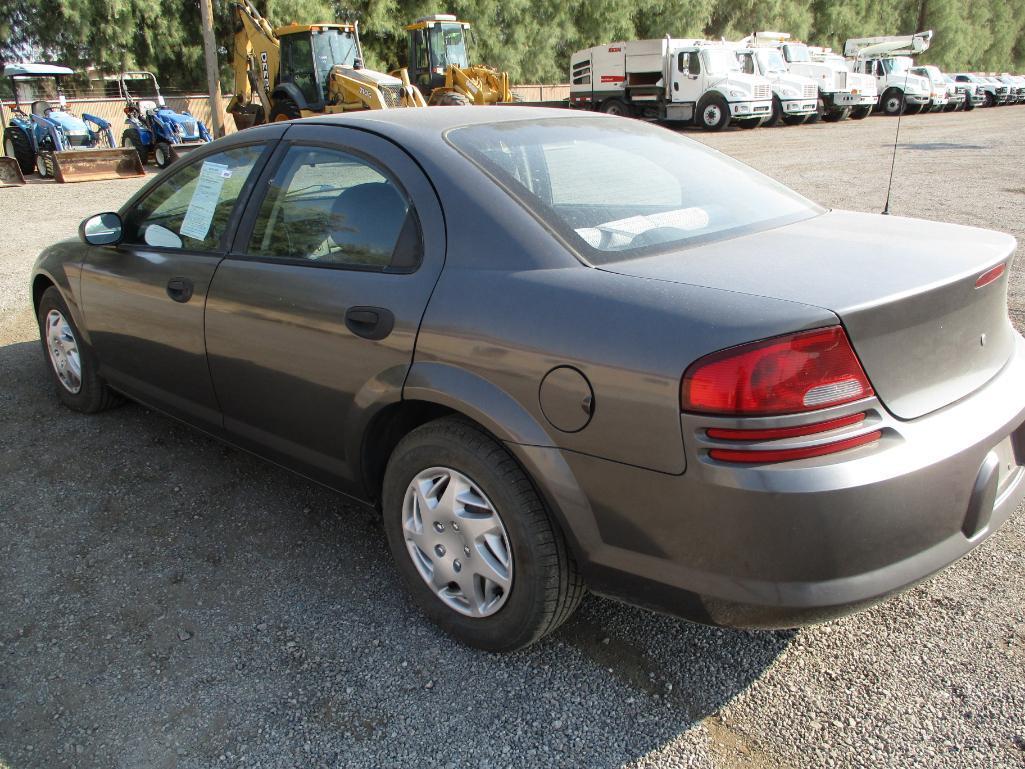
(690, 81)
(842, 93)
(888, 58)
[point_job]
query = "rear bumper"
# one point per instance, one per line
(800, 542)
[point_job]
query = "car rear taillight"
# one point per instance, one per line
(788, 374)
(989, 276)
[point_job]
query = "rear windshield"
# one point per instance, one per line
(616, 188)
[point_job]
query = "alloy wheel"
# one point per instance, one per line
(63, 349)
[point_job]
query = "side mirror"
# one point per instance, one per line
(101, 230)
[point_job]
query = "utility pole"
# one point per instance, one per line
(213, 79)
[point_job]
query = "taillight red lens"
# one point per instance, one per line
(989, 276)
(783, 375)
(788, 455)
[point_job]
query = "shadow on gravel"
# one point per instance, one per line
(166, 601)
(942, 146)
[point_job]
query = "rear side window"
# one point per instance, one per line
(191, 207)
(326, 206)
(616, 189)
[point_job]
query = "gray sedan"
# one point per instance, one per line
(564, 351)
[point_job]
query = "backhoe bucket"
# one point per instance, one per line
(10, 173)
(93, 164)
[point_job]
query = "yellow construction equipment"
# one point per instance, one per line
(301, 70)
(440, 66)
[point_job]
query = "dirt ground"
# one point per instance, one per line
(166, 601)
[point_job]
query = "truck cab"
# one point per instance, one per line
(689, 81)
(889, 60)
(842, 93)
(794, 97)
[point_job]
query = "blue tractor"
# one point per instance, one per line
(53, 140)
(153, 127)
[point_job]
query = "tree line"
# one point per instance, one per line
(531, 39)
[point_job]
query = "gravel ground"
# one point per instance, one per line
(166, 601)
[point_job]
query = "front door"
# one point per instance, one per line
(687, 77)
(143, 300)
(312, 318)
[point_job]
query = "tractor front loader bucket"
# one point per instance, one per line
(10, 173)
(93, 164)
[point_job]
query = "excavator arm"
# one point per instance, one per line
(256, 59)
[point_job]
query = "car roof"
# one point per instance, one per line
(438, 120)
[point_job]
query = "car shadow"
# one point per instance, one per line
(169, 601)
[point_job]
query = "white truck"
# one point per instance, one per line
(889, 60)
(794, 97)
(841, 92)
(689, 81)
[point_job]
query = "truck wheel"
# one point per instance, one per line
(860, 113)
(616, 107)
(472, 539)
(893, 102)
(751, 123)
(777, 113)
(914, 109)
(284, 109)
(17, 145)
(131, 138)
(968, 106)
(989, 100)
(162, 154)
(837, 115)
(820, 110)
(713, 113)
(794, 119)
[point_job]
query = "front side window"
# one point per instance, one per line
(747, 63)
(190, 208)
(622, 189)
(329, 207)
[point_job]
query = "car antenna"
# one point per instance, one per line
(896, 137)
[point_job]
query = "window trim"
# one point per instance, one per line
(239, 249)
(234, 220)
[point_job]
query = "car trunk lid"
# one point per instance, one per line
(904, 289)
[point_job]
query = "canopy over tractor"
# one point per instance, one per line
(150, 126)
(52, 139)
(300, 70)
(439, 65)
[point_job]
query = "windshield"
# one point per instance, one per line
(615, 189)
(771, 61)
(719, 61)
(33, 89)
(797, 53)
(331, 47)
(448, 46)
(896, 65)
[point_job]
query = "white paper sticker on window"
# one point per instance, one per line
(200, 214)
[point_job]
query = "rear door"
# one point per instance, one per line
(143, 299)
(312, 318)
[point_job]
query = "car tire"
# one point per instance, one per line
(616, 107)
(69, 360)
(132, 139)
(713, 112)
(544, 586)
(17, 145)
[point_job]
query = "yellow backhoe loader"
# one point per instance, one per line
(301, 70)
(440, 67)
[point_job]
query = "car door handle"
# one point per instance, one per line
(180, 289)
(370, 322)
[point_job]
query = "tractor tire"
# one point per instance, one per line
(892, 103)
(284, 109)
(616, 107)
(17, 145)
(860, 113)
(713, 112)
(777, 113)
(162, 154)
(131, 139)
(452, 99)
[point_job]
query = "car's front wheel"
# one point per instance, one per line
(69, 360)
(473, 540)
